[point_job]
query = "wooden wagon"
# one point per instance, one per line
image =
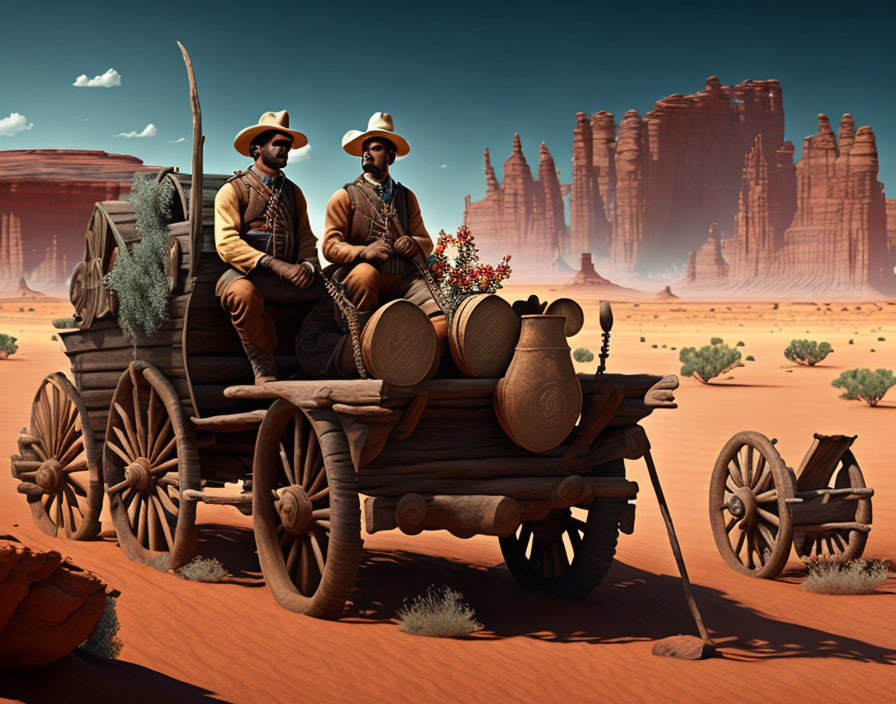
(163, 424)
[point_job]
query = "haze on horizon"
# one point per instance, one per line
(458, 78)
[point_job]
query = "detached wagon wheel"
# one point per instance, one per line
(306, 511)
(562, 554)
(839, 545)
(748, 508)
(149, 458)
(59, 464)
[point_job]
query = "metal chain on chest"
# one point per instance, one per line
(350, 313)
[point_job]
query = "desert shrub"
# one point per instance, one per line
(750, 358)
(855, 577)
(673, 348)
(643, 339)
(851, 341)
(8, 345)
(881, 339)
(160, 562)
(439, 612)
(63, 322)
(741, 343)
(204, 569)
(654, 346)
(865, 385)
(807, 352)
(139, 276)
(104, 641)
(716, 341)
(872, 350)
(583, 354)
(21, 310)
(31, 310)
(709, 361)
(53, 338)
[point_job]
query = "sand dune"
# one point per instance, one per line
(186, 641)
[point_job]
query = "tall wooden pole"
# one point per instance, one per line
(196, 180)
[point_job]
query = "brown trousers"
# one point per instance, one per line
(245, 298)
(369, 287)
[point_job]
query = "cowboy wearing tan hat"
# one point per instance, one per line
(374, 226)
(262, 231)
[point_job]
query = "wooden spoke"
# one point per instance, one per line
(164, 467)
(166, 529)
(735, 474)
(731, 523)
(766, 535)
(129, 428)
(319, 479)
(318, 555)
(767, 497)
(138, 420)
(166, 501)
(165, 451)
(118, 451)
(322, 494)
(762, 475)
(310, 461)
(132, 509)
(121, 486)
(770, 517)
(130, 454)
(67, 517)
(153, 416)
(298, 448)
(74, 501)
(321, 513)
(323, 524)
(141, 523)
(159, 439)
(80, 466)
(747, 465)
(75, 449)
(152, 525)
(305, 568)
(293, 554)
(287, 470)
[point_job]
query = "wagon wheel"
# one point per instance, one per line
(563, 554)
(306, 511)
(839, 545)
(149, 459)
(748, 508)
(59, 464)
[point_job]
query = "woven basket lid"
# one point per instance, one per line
(575, 316)
(398, 344)
(484, 333)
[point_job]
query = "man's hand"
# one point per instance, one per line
(407, 246)
(298, 275)
(377, 250)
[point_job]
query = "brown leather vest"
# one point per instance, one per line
(367, 208)
(279, 240)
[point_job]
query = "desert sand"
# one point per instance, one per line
(186, 641)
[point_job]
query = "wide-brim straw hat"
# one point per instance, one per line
(278, 121)
(379, 125)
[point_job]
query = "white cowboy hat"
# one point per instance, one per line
(379, 125)
(278, 121)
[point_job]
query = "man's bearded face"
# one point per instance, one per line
(375, 158)
(275, 152)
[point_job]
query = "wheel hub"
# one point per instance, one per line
(294, 508)
(137, 474)
(743, 505)
(50, 477)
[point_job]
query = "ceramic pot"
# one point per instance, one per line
(539, 399)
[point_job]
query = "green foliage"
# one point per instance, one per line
(104, 641)
(740, 343)
(8, 345)
(750, 358)
(855, 577)
(63, 322)
(716, 341)
(851, 341)
(138, 277)
(807, 352)
(204, 569)
(53, 338)
(583, 354)
(881, 339)
(643, 339)
(709, 361)
(439, 612)
(654, 346)
(865, 385)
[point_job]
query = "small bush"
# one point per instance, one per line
(716, 341)
(856, 577)
(439, 612)
(673, 348)
(583, 354)
(872, 350)
(654, 346)
(865, 385)
(708, 362)
(104, 641)
(851, 341)
(63, 323)
(740, 343)
(881, 339)
(53, 338)
(643, 339)
(8, 345)
(750, 358)
(807, 352)
(204, 569)
(31, 310)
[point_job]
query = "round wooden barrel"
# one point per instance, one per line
(572, 311)
(398, 344)
(483, 335)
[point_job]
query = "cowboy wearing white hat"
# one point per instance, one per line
(374, 226)
(262, 231)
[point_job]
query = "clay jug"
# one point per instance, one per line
(539, 399)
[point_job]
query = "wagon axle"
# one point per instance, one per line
(50, 476)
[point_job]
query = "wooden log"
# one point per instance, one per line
(813, 513)
(31, 490)
(217, 499)
(847, 494)
(315, 393)
(410, 417)
(112, 338)
(471, 469)
(660, 395)
(168, 360)
(827, 527)
(628, 443)
(230, 423)
(516, 488)
(463, 516)
(610, 489)
(599, 410)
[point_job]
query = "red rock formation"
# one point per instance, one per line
(47, 607)
(11, 261)
(51, 193)
(587, 275)
(707, 266)
(631, 192)
(891, 230)
(521, 216)
(589, 228)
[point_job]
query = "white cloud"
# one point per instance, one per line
(14, 123)
(300, 154)
(148, 131)
(444, 166)
(110, 79)
(176, 141)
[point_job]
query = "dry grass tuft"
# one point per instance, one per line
(439, 612)
(104, 641)
(855, 577)
(204, 569)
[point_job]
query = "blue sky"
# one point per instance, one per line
(458, 77)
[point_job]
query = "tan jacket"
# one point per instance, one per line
(342, 247)
(242, 256)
